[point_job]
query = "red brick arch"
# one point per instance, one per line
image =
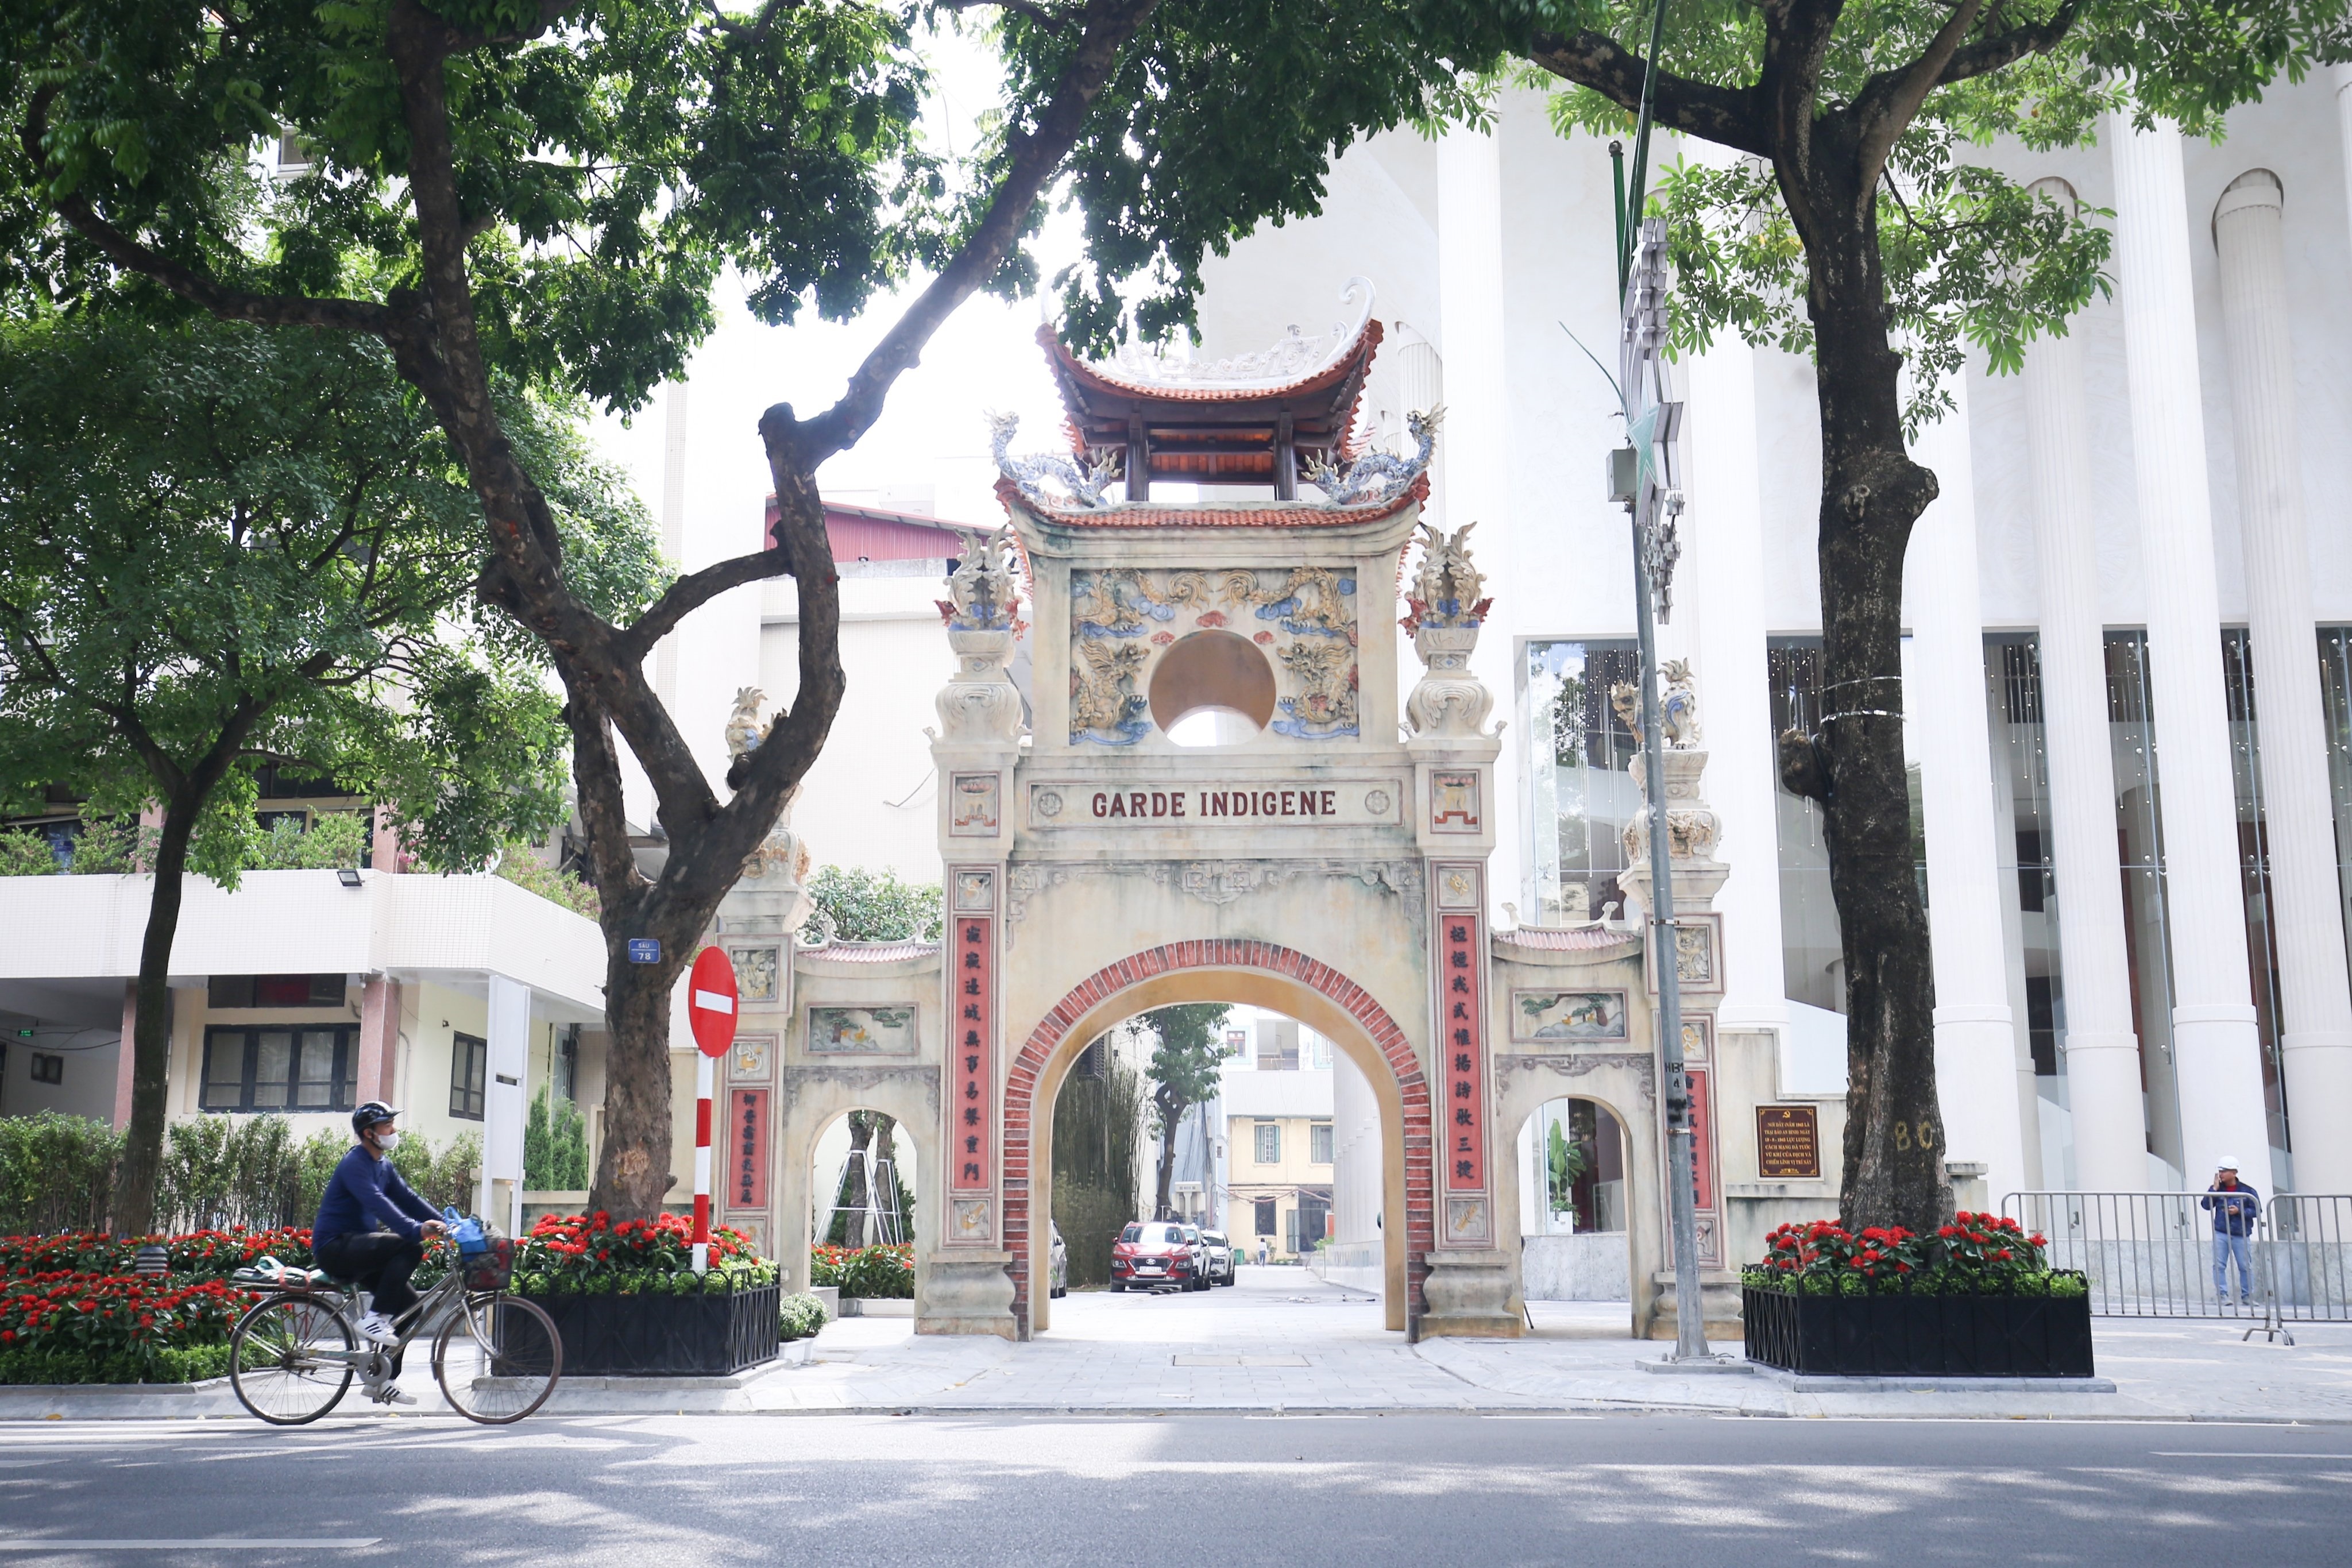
(1263, 957)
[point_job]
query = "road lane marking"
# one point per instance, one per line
(200, 1543)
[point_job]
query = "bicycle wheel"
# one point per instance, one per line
(289, 1359)
(497, 1360)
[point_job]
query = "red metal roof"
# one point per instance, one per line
(870, 533)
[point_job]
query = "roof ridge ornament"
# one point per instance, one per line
(1082, 483)
(1377, 476)
(1288, 359)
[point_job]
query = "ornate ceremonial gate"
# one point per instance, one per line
(1310, 863)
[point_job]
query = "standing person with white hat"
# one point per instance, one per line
(2236, 1207)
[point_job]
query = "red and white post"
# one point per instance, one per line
(711, 1012)
(703, 1074)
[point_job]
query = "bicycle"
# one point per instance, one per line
(293, 1355)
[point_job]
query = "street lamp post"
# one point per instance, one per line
(1645, 478)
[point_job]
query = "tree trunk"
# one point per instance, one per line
(633, 1169)
(856, 1196)
(1871, 494)
(151, 1041)
(1169, 1117)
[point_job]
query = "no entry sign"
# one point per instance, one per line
(710, 1001)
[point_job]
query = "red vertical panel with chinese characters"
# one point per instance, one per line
(1463, 1015)
(746, 1144)
(972, 949)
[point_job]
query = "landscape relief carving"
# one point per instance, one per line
(1122, 618)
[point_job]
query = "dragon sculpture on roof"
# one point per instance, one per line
(1378, 476)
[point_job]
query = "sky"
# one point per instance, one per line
(932, 434)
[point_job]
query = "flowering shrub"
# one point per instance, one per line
(799, 1317)
(68, 1326)
(883, 1272)
(593, 1255)
(209, 1254)
(1978, 1254)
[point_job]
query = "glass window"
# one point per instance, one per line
(469, 1060)
(276, 991)
(1812, 947)
(281, 1069)
(1580, 785)
(224, 1065)
(1264, 1217)
(2255, 865)
(2336, 701)
(2139, 838)
(1269, 1142)
(2030, 911)
(273, 1066)
(1319, 1143)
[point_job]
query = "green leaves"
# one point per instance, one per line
(224, 545)
(616, 162)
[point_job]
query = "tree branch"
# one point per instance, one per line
(690, 592)
(1726, 116)
(1051, 21)
(229, 304)
(1989, 55)
(1037, 156)
(1890, 100)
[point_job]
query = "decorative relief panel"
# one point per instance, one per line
(861, 1032)
(755, 974)
(1122, 618)
(1568, 1017)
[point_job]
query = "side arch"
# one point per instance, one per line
(1260, 973)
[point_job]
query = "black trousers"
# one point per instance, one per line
(380, 1261)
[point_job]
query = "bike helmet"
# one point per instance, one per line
(368, 1115)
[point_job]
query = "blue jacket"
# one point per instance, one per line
(2235, 1211)
(366, 1193)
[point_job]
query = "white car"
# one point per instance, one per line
(1220, 1250)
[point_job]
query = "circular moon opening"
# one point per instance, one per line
(1211, 688)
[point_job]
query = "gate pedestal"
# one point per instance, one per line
(967, 1292)
(1471, 1295)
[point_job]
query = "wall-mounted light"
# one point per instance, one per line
(347, 877)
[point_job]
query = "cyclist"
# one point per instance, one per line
(371, 1227)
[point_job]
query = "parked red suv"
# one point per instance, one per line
(1158, 1252)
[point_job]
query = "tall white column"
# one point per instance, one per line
(2340, 78)
(1976, 1034)
(2216, 1050)
(1474, 466)
(1724, 560)
(2314, 996)
(2103, 1067)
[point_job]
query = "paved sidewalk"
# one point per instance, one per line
(1282, 1342)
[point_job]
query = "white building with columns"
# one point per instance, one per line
(2129, 622)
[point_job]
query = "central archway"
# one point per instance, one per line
(1262, 974)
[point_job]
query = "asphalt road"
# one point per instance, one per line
(1492, 1490)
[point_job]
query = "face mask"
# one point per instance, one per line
(385, 1140)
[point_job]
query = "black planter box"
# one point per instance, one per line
(1920, 1336)
(665, 1336)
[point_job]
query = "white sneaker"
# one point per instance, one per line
(392, 1393)
(377, 1330)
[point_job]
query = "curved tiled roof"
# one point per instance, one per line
(1230, 514)
(1078, 374)
(1568, 939)
(871, 951)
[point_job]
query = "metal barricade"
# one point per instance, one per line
(2147, 1255)
(2153, 1255)
(2305, 1258)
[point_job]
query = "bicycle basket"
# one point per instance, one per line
(491, 1267)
